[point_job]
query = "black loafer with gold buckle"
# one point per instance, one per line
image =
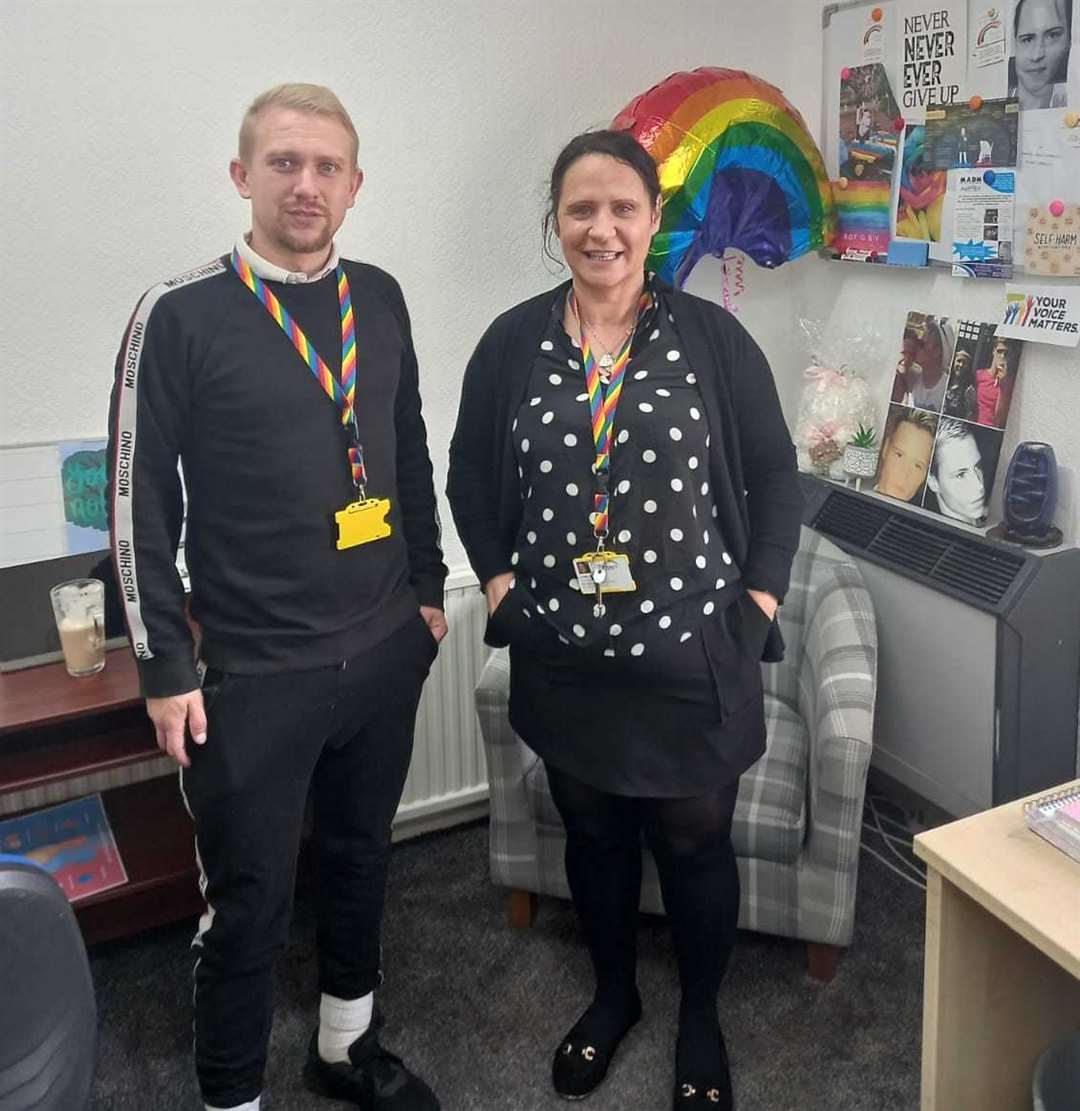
(713, 1094)
(582, 1059)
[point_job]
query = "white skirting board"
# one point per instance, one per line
(447, 781)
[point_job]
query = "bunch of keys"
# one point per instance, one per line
(603, 572)
(599, 574)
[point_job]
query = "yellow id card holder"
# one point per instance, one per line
(604, 573)
(361, 522)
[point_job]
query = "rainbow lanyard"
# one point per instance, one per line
(341, 393)
(603, 402)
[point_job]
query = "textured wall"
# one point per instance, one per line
(120, 119)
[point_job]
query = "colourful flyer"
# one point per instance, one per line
(73, 842)
(983, 224)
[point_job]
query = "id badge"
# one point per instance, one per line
(361, 522)
(607, 572)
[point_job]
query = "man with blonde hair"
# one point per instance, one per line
(906, 446)
(284, 380)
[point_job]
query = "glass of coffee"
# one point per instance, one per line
(79, 607)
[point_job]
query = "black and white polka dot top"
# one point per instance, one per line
(661, 510)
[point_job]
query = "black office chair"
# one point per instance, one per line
(48, 1020)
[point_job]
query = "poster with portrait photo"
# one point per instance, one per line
(907, 446)
(962, 470)
(983, 374)
(868, 115)
(921, 375)
(1043, 63)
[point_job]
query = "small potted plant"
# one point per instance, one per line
(861, 453)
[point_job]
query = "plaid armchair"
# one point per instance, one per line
(799, 811)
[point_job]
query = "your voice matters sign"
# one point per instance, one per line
(1041, 313)
(932, 55)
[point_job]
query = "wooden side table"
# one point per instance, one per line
(1002, 975)
(54, 728)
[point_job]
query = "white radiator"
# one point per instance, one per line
(447, 781)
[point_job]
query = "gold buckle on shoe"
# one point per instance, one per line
(589, 1053)
(713, 1095)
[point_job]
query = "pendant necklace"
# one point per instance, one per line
(607, 358)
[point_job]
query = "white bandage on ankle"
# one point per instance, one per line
(341, 1022)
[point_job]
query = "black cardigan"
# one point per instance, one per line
(752, 469)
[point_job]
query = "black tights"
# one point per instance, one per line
(690, 839)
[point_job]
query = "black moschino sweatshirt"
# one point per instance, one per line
(206, 377)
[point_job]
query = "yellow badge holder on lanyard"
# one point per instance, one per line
(362, 520)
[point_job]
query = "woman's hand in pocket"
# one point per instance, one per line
(765, 602)
(495, 590)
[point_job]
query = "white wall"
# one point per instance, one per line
(120, 119)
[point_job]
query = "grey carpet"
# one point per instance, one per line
(478, 1008)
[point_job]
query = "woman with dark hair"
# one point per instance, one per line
(960, 397)
(1039, 68)
(625, 486)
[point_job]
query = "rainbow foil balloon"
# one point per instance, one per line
(738, 168)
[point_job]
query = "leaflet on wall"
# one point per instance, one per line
(933, 54)
(961, 136)
(873, 37)
(983, 224)
(1048, 194)
(1043, 314)
(988, 44)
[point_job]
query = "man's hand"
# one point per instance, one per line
(495, 590)
(171, 715)
(436, 622)
(766, 602)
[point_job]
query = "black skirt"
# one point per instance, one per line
(675, 727)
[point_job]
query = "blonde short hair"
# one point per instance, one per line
(315, 99)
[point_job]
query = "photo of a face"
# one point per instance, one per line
(1039, 65)
(922, 370)
(960, 399)
(957, 476)
(995, 380)
(962, 470)
(906, 449)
